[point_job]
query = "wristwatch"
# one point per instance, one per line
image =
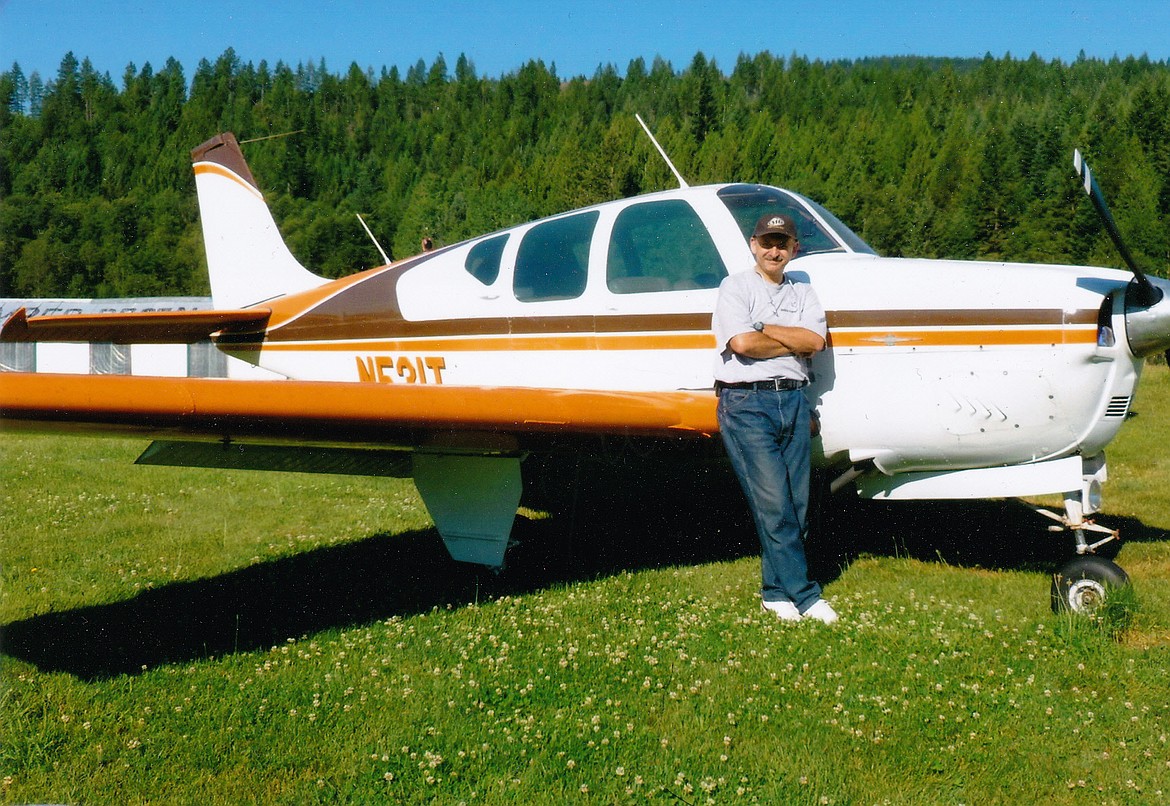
(758, 327)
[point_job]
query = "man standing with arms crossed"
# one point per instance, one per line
(766, 329)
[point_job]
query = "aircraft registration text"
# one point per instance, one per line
(401, 369)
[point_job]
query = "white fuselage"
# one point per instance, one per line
(932, 365)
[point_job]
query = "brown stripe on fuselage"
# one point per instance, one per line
(682, 340)
(376, 316)
(361, 306)
(367, 325)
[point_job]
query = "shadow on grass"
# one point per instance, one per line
(1003, 535)
(400, 575)
(382, 576)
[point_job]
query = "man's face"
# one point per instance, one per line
(772, 253)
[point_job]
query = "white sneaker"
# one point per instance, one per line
(821, 611)
(785, 611)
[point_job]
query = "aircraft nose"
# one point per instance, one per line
(1147, 327)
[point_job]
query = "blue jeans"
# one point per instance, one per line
(766, 434)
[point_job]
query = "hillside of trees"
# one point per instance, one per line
(922, 157)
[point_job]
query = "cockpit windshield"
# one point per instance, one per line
(819, 230)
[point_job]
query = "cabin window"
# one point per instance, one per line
(661, 246)
(483, 261)
(748, 202)
(553, 259)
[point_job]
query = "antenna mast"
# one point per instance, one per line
(381, 251)
(681, 182)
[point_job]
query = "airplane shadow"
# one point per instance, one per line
(400, 575)
(356, 583)
(995, 535)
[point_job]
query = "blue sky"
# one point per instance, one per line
(500, 37)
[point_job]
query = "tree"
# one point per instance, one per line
(943, 157)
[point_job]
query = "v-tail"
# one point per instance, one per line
(248, 261)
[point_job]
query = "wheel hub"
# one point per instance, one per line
(1086, 595)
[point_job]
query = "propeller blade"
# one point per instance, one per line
(1146, 292)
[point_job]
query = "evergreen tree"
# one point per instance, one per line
(929, 157)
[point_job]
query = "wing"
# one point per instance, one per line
(334, 412)
(156, 327)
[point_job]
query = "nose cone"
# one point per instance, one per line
(1148, 326)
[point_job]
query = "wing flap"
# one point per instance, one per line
(334, 412)
(149, 327)
(292, 458)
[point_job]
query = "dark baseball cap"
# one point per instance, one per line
(775, 224)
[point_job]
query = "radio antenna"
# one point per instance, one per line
(681, 182)
(381, 251)
(271, 137)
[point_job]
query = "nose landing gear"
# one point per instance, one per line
(1082, 585)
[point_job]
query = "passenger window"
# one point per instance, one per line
(483, 261)
(661, 246)
(553, 259)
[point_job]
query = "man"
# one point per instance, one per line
(766, 328)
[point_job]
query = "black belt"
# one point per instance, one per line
(771, 385)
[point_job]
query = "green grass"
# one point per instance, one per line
(190, 636)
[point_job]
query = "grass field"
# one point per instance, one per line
(193, 636)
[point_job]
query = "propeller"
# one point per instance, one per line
(1145, 293)
(1147, 323)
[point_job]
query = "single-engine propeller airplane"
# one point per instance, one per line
(943, 379)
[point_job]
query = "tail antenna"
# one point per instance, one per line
(681, 182)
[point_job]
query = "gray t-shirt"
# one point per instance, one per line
(745, 298)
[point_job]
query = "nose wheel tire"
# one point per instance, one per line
(1082, 584)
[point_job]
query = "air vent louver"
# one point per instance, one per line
(1118, 407)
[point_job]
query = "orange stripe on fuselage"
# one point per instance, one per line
(961, 338)
(219, 170)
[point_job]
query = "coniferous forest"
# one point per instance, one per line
(921, 157)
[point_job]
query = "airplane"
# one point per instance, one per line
(462, 365)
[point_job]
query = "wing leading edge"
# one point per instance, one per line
(332, 412)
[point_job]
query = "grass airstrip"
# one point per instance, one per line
(195, 636)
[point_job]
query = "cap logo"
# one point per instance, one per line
(776, 222)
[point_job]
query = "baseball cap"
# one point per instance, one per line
(775, 224)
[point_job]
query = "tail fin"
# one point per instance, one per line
(247, 259)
